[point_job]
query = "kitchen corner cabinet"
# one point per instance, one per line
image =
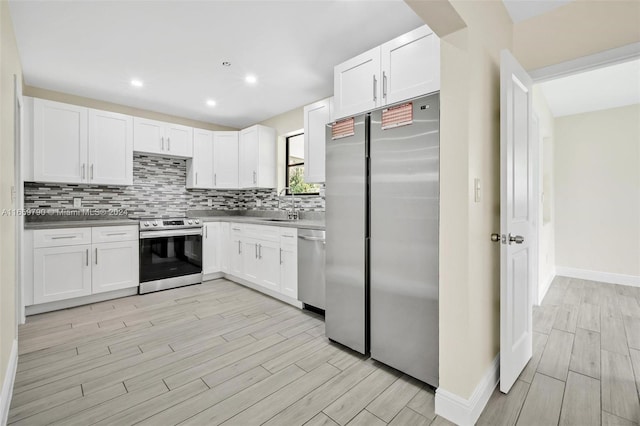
(73, 144)
(215, 160)
(316, 117)
(200, 167)
(160, 138)
(75, 262)
(257, 157)
(403, 68)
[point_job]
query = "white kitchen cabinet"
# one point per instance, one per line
(403, 68)
(356, 84)
(73, 144)
(160, 138)
(59, 142)
(200, 167)
(410, 65)
(269, 264)
(257, 157)
(316, 117)
(115, 266)
(224, 246)
(250, 261)
(110, 160)
(61, 272)
(211, 249)
(225, 160)
(236, 264)
(289, 262)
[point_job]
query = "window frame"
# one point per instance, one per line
(287, 166)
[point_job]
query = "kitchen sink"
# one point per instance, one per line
(279, 220)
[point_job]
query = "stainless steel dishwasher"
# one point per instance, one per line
(311, 267)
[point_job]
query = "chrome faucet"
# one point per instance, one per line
(293, 214)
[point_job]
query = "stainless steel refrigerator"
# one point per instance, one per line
(382, 217)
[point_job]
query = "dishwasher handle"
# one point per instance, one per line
(302, 237)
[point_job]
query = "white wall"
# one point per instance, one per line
(546, 232)
(597, 192)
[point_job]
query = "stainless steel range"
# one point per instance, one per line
(170, 253)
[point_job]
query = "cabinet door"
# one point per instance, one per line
(59, 142)
(61, 273)
(248, 158)
(179, 140)
(410, 65)
(356, 84)
(115, 266)
(110, 148)
(269, 265)
(236, 264)
(148, 136)
(289, 270)
(224, 247)
(210, 248)
(225, 160)
(200, 167)
(316, 117)
(250, 259)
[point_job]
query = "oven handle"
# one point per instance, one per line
(170, 233)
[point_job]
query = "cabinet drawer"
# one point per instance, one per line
(288, 234)
(61, 237)
(107, 234)
(263, 232)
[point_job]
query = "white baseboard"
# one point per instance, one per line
(542, 292)
(605, 277)
(7, 386)
(465, 412)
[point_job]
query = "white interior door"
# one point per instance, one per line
(516, 220)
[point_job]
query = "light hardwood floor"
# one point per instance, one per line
(585, 368)
(221, 353)
(204, 355)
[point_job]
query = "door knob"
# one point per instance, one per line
(495, 238)
(518, 239)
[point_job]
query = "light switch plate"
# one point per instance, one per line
(77, 202)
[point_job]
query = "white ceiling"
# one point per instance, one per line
(603, 88)
(521, 10)
(95, 48)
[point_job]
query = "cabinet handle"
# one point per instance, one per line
(255, 180)
(206, 232)
(256, 251)
(112, 234)
(375, 88)
(259, 251)
(83, 170)
(281, 256)
(162, 139)
(384, 84)
(92, 172)
(87, 257)
(96, 255)
(196, 178)
(169, 144)
(288, 236)
(239, 247)
(63, 238)
(236, 229)
(215, 179)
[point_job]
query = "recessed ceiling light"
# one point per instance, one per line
(211, 102)
(226, 64)
(137, 83)
(251, 79)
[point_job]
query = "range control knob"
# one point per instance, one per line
(146, 224)
(189, 221)
(155, 223)
(197, 221)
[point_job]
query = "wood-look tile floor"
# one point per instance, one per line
(585, 368)
(215, 353)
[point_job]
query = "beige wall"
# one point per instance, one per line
(597, 181)
(580, 28)
(9, 66)
(37, 92)
(546, 232)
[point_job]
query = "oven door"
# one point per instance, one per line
(170, 254)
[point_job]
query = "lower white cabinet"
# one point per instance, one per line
(224, 246)
(61, 273)
(211, 250)
(289, 262)
(115, 266)
(76, 262)
(236, 265)
(251, 266)
(269, 265)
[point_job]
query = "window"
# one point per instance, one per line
(294, 174)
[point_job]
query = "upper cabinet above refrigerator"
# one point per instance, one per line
(403, 68)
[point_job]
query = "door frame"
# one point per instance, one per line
(18, 193)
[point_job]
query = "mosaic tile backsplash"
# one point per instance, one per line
(158, 189)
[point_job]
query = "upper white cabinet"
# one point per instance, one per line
(225, 160)
(403, 68)
(356, 84)
(410, 66)
(257, 157)
(73, 144)
(110, 148)
(200, 167)
(316, 117)
(59, 142)
(160, 138)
